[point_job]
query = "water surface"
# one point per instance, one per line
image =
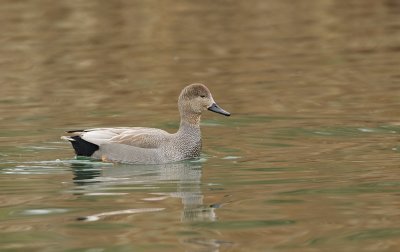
(308, 161)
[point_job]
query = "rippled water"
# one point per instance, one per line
(309, 160)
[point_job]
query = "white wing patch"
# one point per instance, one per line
(137, 136)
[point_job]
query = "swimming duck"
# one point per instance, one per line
(149, 145)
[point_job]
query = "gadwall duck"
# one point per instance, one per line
(148, 145)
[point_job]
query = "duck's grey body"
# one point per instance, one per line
(149, 145)
(159, 148)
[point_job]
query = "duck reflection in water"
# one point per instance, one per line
(177, 180)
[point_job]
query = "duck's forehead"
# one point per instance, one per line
(197, 89)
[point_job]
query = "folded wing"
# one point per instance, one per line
(136, 136)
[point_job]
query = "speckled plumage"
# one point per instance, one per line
(153, 146)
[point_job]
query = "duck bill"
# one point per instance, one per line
(217, 109)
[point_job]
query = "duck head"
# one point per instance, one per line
(196, 98)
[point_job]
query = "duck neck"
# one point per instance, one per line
(190, 124)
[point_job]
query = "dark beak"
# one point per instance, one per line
(217, 109)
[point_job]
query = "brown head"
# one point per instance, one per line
(196, 98)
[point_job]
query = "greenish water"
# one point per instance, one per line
(308, 161)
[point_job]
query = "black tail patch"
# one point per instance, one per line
(82, 147)
(73, 131)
